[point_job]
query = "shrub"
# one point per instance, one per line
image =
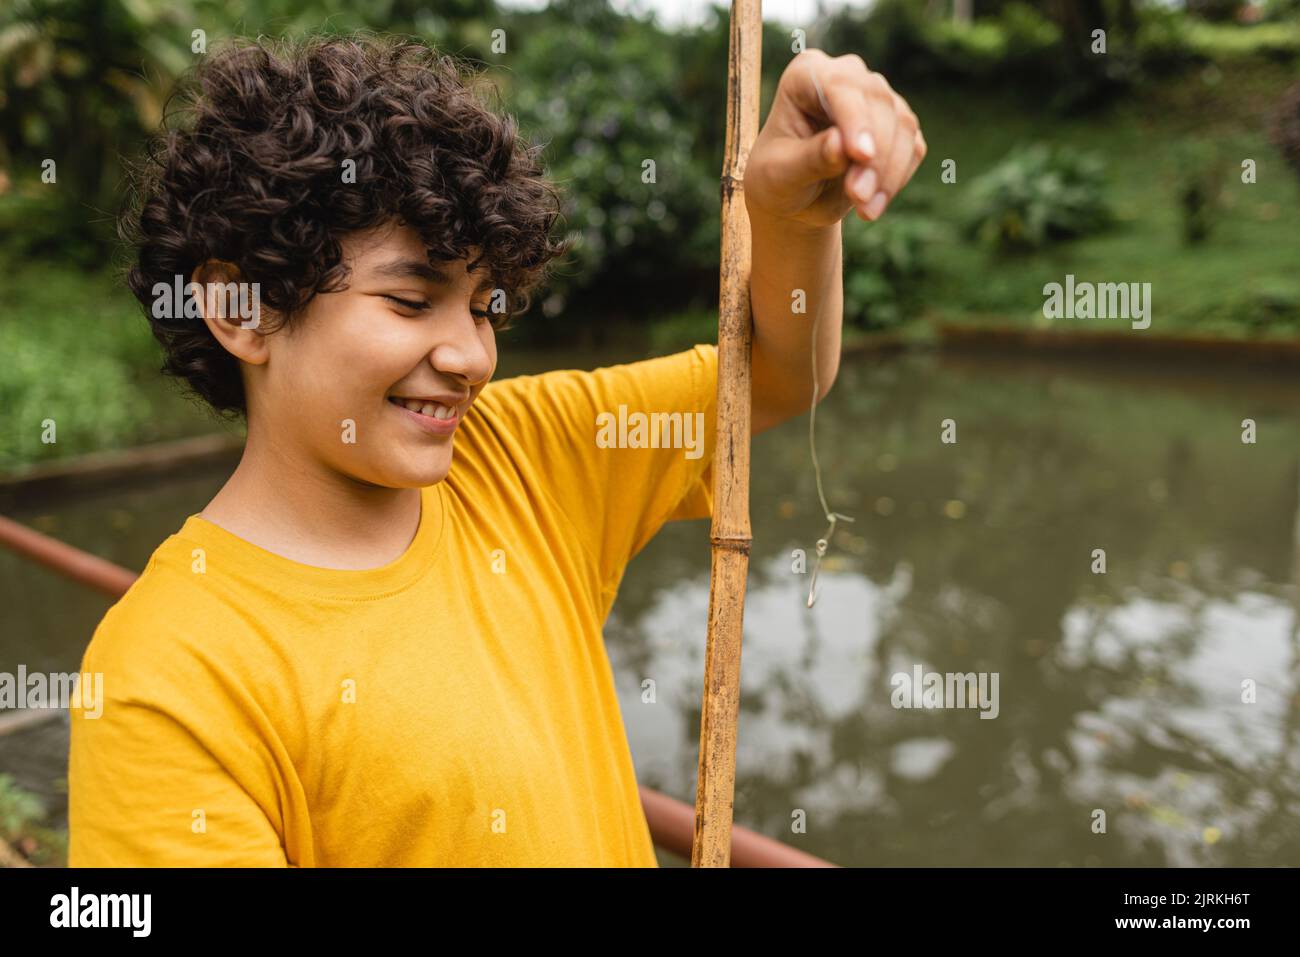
(883, 264)
(1038, 195)
(1197, 182)
(1164, 43)
(608, 103)
(70, 346)
(23, 829)
(1221, 10)
(891, 38)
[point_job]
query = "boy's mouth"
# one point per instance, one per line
(430, 408)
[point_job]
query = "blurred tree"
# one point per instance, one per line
(83, 82)
(1221, 10)
(602, 92)
(1286, 127)
(80, 79)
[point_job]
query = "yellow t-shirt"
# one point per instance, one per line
(453, 708)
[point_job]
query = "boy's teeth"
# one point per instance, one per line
(432, 409)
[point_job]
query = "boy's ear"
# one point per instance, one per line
(232, 310)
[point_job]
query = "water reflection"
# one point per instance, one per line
(1119, 691)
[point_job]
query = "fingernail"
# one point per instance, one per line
(877, 205)
(867, 143)
(867, 183)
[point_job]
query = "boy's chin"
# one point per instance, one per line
(418, 476)
(414, 468)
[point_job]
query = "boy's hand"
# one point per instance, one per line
(812, 166)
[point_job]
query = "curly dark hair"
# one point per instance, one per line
(252, 175)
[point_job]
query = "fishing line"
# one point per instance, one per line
(832, 517)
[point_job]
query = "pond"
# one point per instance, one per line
(1098, 540)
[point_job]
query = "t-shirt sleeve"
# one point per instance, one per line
(620, 450)
(153, 779)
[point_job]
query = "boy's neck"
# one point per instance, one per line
(314, 515)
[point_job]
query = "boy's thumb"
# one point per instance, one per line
(802, 161)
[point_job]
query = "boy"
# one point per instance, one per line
(358, 654)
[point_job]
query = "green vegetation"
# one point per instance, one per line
(1239, 281)
(890, 261)
(24, 832)
(638, 197)
(1037, 196)
(1172, 112)
(75, 341)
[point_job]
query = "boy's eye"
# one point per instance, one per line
(407, 303)
(480, 315)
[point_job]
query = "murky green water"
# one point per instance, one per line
(1119, 692)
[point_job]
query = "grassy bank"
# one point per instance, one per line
(1242, 280)
(80, 368)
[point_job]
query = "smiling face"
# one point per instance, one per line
(373, 381)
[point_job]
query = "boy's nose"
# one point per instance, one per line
(460, 351)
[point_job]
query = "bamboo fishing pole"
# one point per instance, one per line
(729, 533)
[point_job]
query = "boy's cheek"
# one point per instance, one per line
(363, 424)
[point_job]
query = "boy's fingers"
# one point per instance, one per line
(896, 172)
(879, 135)
(908, 120)
(918, 156)
(797, 162)
(826, 154)
(863, 105)
(902, 159)
(805, 84)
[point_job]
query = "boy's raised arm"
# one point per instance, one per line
(836, 139)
